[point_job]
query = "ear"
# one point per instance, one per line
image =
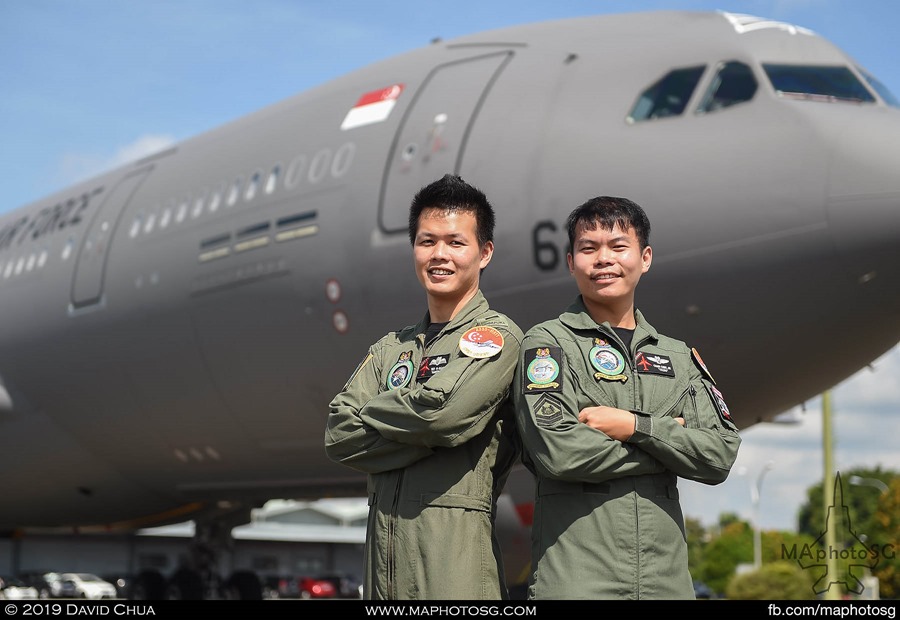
(646, 259)
(487, 251)
(571, 263)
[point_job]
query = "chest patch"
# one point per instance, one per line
(401, 372)
(430, 366)
(543, 370)
(547, 411)
(607, 361)
(481, 342)
(654, 364)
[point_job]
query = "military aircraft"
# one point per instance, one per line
(173, 330)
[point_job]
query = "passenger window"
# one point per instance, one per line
(668, 96)
(733, 83)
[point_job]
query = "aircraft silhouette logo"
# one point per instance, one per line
(852, 556)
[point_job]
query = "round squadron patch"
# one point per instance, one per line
(607, 361)
(401, 372)
(481, 341)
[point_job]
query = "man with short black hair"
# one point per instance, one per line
(611, 414)
(427, 416)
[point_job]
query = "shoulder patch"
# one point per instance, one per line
(695, 355)
(543, 370)
(721, 407)
(547, 411)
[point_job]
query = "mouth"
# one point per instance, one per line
(434, 271)
(604, 277)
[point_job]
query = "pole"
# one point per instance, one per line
(757, 534)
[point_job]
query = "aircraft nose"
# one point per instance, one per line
(864, 201)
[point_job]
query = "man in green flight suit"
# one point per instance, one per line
(427, 415)
(611, 414)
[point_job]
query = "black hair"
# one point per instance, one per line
(606, 212)
(451, 193)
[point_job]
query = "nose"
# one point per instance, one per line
(603, 256)
(864, 201)
(439, 251)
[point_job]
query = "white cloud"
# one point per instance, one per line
(76, 167)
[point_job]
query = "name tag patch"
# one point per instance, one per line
(654, 364)
(430, 366)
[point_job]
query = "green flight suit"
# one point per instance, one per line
(434, 429)
(607, 520)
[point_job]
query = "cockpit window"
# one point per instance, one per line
(817, 83)
(668, 96)
(733, 83)
(880, 88)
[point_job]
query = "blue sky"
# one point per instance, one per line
(89, 85)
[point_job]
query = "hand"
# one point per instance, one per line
(680, 421)
(617, 423)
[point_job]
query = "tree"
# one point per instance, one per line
(780, 580)
(721, 556)
(861, 501)
(885, 536)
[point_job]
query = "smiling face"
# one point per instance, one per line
(607, 265)
(448, 259)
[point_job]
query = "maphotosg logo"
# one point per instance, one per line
(846, 561)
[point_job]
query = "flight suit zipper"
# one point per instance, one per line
(395, 502)
(692, 420)
(392, 524)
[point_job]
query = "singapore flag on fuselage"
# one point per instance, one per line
(372, 107)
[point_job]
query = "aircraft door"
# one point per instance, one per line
(432, 135)
(87, 284)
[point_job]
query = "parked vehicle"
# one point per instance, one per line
(47, 583)
(346, 586)
(280, 586)
(310, 587)
(86, 585)
(13, 588)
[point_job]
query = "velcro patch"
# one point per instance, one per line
(654, 364)
(543, 370)
(719, 401)
(547, 411)
(695, 354)
(430, 366)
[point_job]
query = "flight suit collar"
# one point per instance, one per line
(477, 305)
(576, 317)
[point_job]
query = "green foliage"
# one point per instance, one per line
(723, 553)
(782, 580)
(715, 555)
(885, 534)
(861, 501)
